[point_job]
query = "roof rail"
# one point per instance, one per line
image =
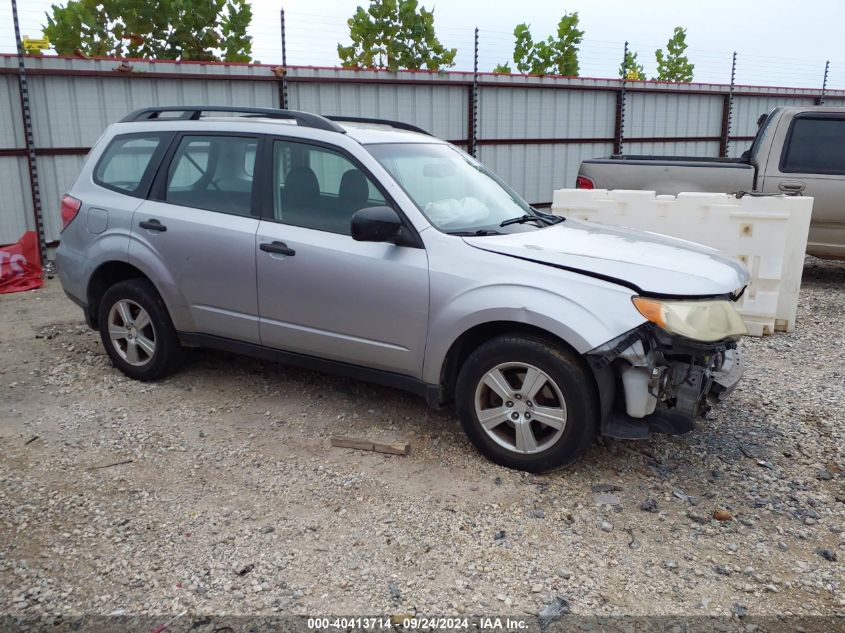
(194, 113)
(399, 125)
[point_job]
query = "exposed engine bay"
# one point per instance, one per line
(661, 382)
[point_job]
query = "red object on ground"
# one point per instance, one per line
(19, 265)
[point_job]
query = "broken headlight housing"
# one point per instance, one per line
(705, 320)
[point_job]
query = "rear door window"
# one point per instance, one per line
(129, 161)
(815, 146)
(213, 173)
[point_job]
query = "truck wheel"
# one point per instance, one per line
(137, 332)
(526, 404)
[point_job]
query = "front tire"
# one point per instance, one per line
(526, 404)
(137, 332)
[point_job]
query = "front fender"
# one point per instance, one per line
(610, 313)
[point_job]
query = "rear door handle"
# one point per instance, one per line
(792, 186)
(280, 248)
(153, 225)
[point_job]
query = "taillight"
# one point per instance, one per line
(70, 207)
(582, 182)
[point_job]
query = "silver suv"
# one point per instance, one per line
(374, 250)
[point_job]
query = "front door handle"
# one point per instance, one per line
(280, 248)
(153, 225)
(792, 186)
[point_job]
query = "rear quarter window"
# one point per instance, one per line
(815, 145)
(129, 161)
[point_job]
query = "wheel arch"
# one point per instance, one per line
(477, 335)
(104, 277)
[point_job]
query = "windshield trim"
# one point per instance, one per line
(527, 208)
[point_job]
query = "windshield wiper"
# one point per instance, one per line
(548, 220)
(473, 233)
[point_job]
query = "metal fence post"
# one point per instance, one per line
(29, 141)
(824, 82)
(283, 94)
(473, 103)
(727, 113)
(619, 134)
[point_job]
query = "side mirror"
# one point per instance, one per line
(376, 224)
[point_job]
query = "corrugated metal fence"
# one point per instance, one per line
(533, 131)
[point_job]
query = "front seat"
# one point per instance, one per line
(301, 196)
(354, 191)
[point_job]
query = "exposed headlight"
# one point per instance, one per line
(705, 320)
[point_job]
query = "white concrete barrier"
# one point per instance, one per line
(767, 233)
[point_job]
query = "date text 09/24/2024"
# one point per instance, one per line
(416, 623)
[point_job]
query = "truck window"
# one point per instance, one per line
(815, 145)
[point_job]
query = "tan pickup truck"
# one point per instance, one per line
(797, 150)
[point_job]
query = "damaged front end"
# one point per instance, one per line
(654, 381)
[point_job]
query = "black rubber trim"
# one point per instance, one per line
(86, 311)
(76, 300)
(607, 385)
(337, 368)
(599, 360)
(621, 426)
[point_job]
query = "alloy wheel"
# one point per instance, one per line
(131, 332)
(520, 407)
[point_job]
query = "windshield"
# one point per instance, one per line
(453, 190)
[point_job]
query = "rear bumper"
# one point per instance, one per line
(73, 271)
(85, 311)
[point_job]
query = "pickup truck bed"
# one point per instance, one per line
(671, 174)
(797, 150)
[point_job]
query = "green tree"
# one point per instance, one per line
(205, 30)
(631, 67)
(673, 65)
(394, 34)
(558, 55)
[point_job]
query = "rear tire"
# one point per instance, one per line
(137, 332)
(526, 404)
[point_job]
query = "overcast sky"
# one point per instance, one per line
(779, 42)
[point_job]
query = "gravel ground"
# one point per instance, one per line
(231, 500)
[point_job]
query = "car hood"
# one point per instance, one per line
(648, 263)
